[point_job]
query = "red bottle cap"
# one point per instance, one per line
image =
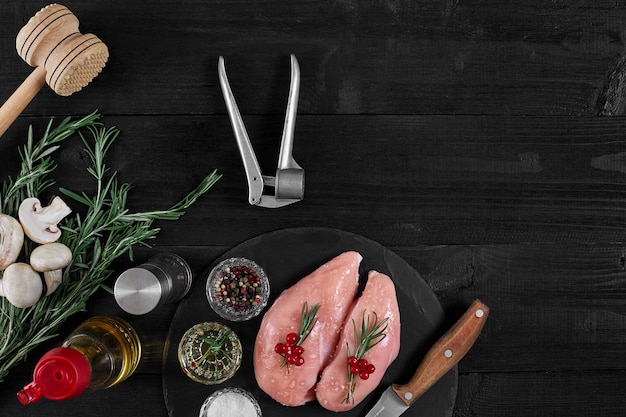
(60, 374)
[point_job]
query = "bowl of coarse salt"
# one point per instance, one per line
(230, 401)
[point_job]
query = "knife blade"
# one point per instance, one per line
(439, 359)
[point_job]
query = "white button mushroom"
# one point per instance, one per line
(21, 285)
(11, 240)
(40, 223)
(50, 259)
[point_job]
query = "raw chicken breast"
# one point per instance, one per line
(333, 286)
(379, 296)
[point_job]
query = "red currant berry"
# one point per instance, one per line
(292, 338)
(278, 348)
(370, 368)
(286, 350)
(364, 375)
(362, 363)
(354, 369)
(298, 360)
(352, 360)
(297, 350)
(292, 359)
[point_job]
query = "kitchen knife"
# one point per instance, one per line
(439, 359)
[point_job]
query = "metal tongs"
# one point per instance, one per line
(288, 183)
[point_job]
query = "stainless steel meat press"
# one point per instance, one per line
(288, 183)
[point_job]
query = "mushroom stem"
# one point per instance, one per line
(53, 280)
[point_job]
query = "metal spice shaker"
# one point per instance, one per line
(164, 278)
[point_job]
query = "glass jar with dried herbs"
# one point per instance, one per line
(209, 353)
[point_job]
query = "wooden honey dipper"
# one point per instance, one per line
(62, 56)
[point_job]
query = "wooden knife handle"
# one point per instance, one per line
(444, 354)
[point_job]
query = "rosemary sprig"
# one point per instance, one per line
(106, 231)
(216, 346)
(308, 319)
(369, 336)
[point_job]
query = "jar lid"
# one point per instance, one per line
(60, 374)
(137, 291)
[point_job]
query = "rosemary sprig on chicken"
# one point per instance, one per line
(368, 335)
(292, 349)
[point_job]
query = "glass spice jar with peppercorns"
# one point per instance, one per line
(237, 289)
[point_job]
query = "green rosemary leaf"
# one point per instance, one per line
(48, 151)
(107, 288)
(81, 198)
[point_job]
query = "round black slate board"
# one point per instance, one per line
(287, 256)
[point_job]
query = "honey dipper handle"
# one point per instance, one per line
(18, 101)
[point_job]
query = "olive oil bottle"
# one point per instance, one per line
(99, 353)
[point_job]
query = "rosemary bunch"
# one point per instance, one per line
(106, 231)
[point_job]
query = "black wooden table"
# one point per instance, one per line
(482, 141)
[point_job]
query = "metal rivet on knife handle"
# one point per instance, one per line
(444, 354)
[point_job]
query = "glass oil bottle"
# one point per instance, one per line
(99, 353)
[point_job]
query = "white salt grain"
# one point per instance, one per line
(228, 402)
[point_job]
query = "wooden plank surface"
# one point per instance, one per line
(472, 138)
(396, 57)
(424, 179)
